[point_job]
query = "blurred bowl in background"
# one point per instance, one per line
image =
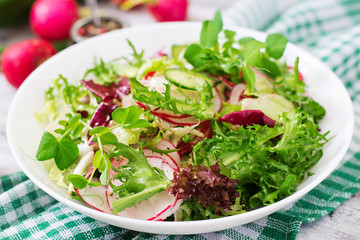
(85, 28)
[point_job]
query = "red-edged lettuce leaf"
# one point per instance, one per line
(248, 117)
(102, 115)
(207, 185)
(107, 93)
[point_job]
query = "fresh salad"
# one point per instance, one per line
(209, 129)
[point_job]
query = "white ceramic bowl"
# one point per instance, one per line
(24, 132)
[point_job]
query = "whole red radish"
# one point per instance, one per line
(52, 19)
(20, 59)
(169, 10)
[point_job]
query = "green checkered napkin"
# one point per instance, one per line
(330, 30)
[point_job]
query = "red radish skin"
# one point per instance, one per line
(149, 75)
(179, 120)
(53, 19)
(20, 59)
(163, 113)
(226, 81)
(169, 10)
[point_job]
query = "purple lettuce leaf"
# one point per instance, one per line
(115, 90)
(102, 115)
(248, 117)
(207, 185)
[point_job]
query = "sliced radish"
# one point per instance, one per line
(169, 160)
(187, 121)
(163, 113)
(236, 93)
(227, 82)
(165, 165)
(159, 206)
(217, 101)
(95, 197)
(167, 145)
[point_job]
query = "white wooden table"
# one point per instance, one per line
(343, 223)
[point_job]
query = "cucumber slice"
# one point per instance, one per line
(186, 79)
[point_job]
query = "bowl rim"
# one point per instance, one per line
(163, 227)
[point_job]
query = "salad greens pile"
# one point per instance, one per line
(214, 128)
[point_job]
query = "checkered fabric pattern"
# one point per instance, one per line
(330, 30)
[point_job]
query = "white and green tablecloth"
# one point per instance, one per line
(330, 30)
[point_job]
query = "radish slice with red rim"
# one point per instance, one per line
(167, 145)
(95, 197)
(217, 101)
(236, 93)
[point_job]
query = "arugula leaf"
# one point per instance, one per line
(140, 180)
(210, 31)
